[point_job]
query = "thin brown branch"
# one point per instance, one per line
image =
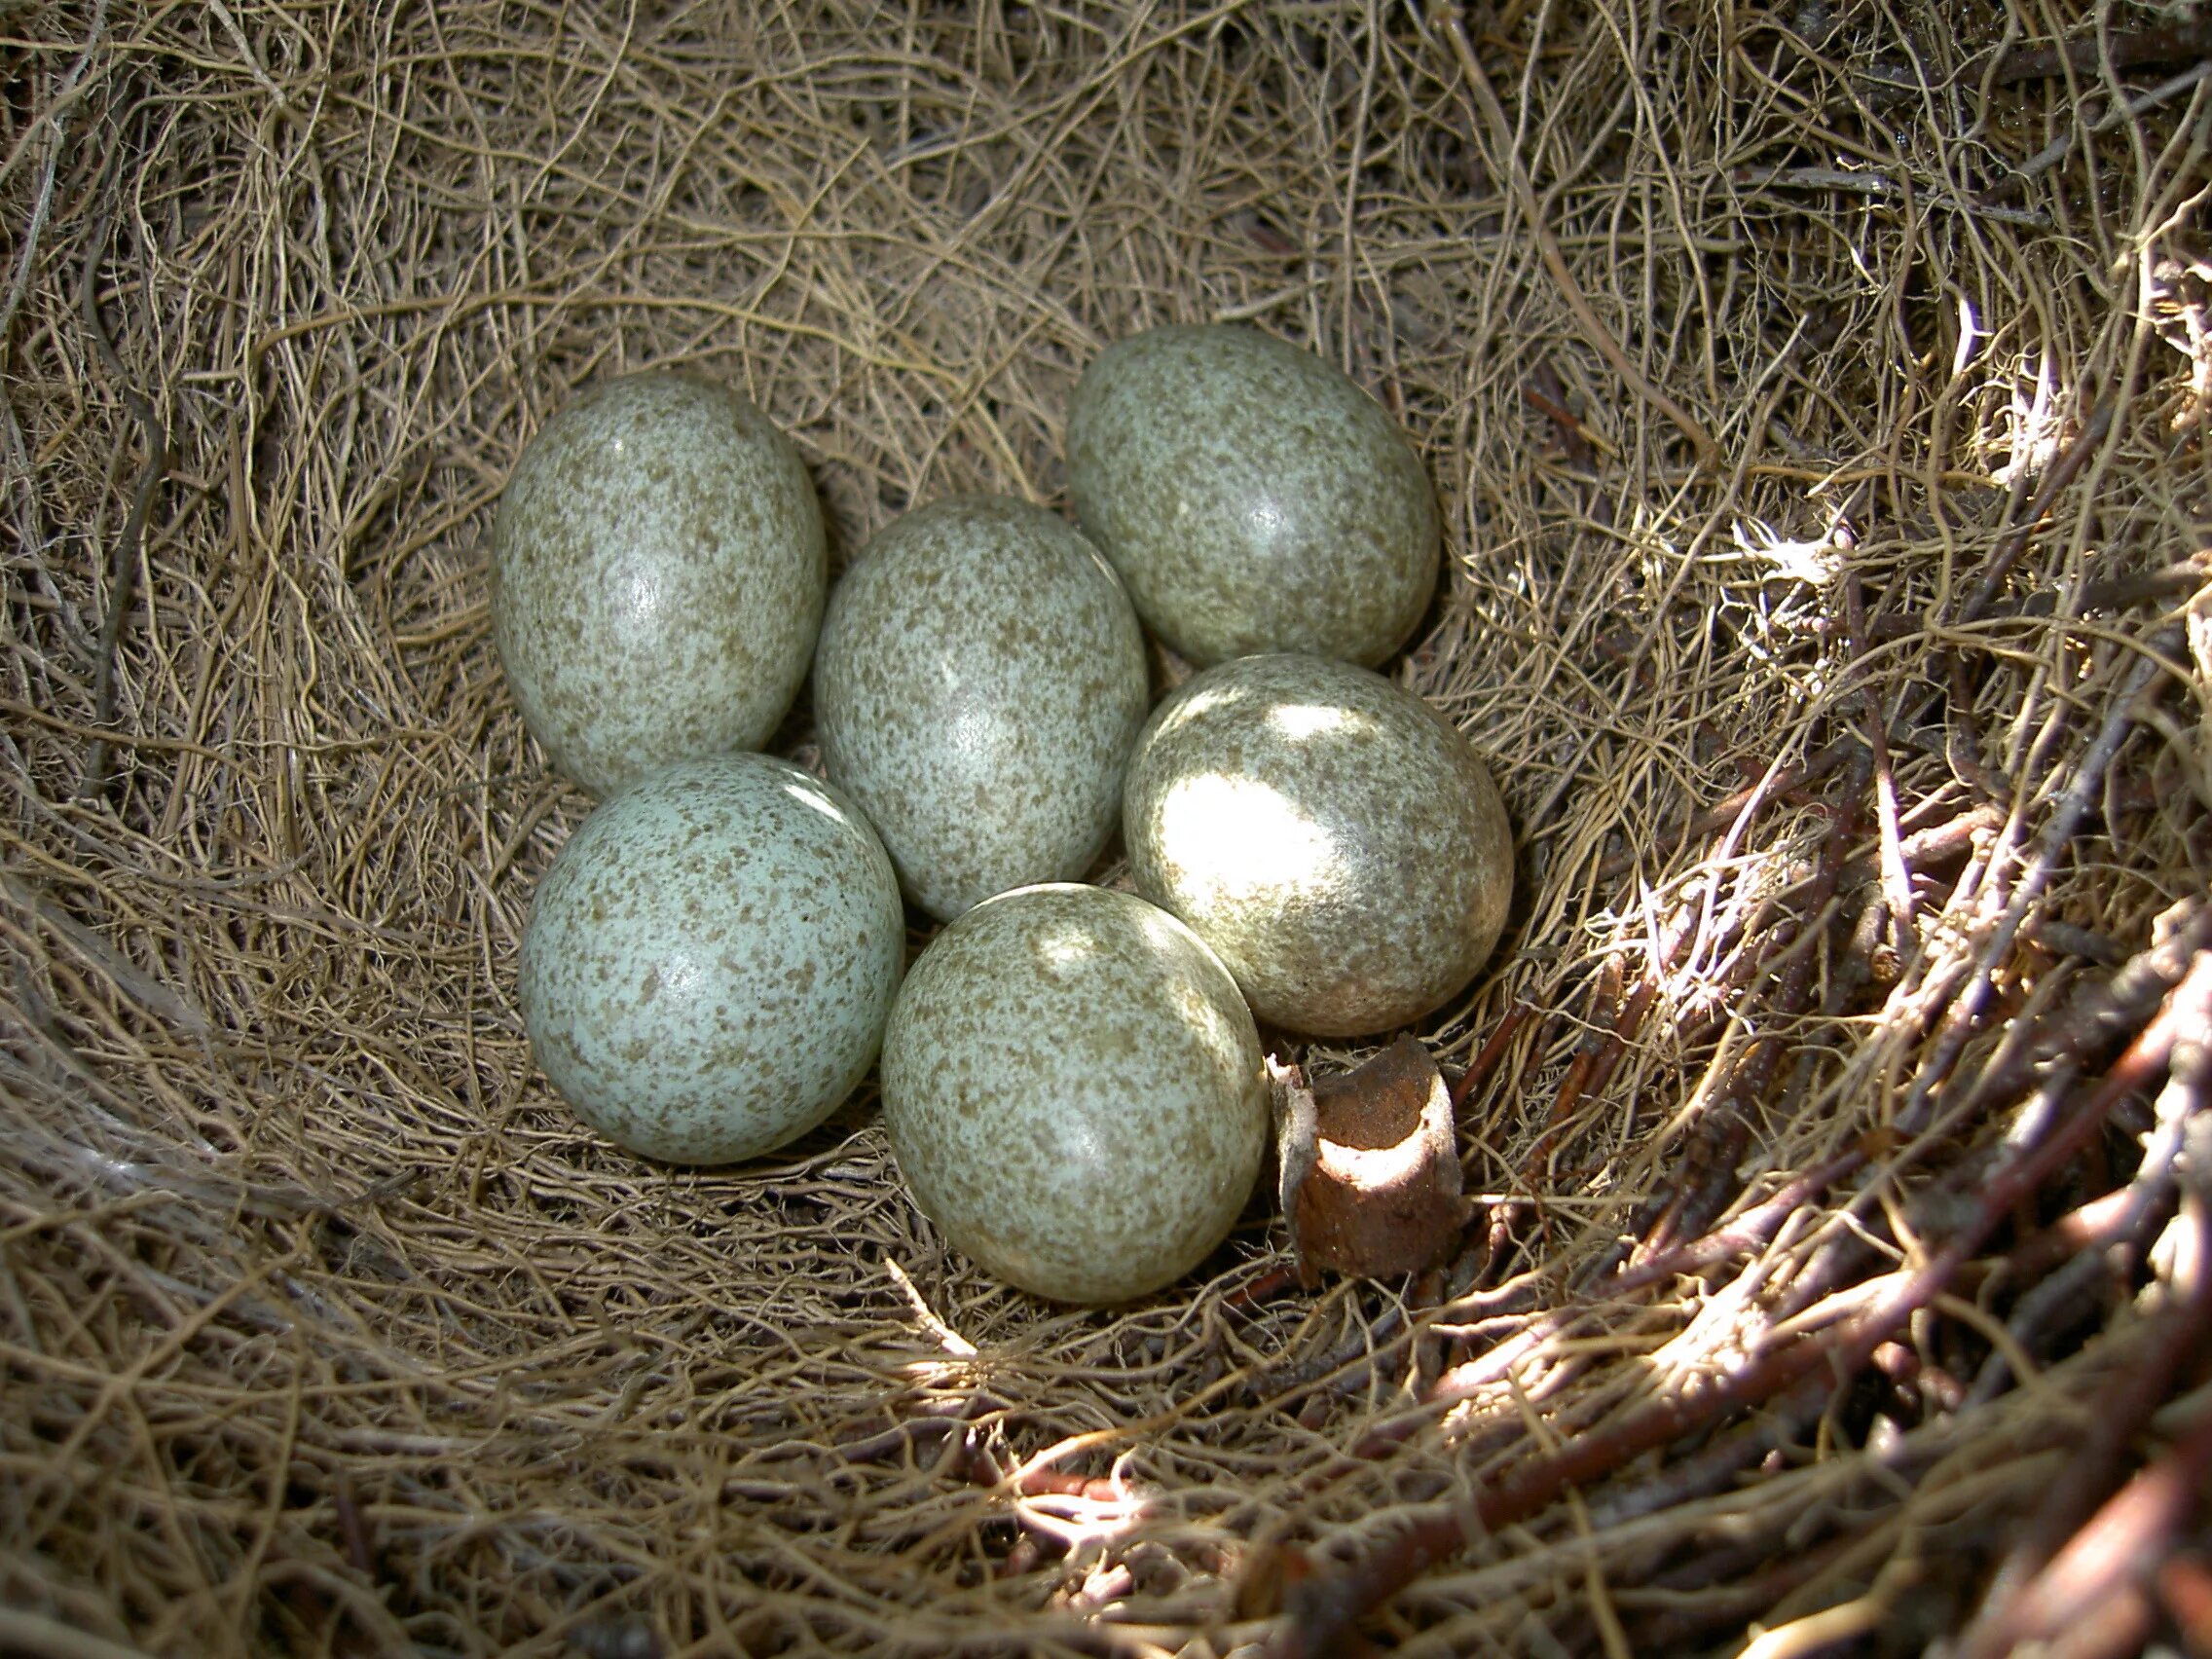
(123, 567)
(2035, 1592)
(1594, 329)
(2133, 49)
(2089, 1227)
(1604, 1032)
(2185, 1587)
(1470, 1082)
(1323, 1610)
(1754, 1227)
(1724, 813)
(2062, 473)
(1897, 876)
(1708, 1177)
(2102, 1012)
(2051, 845)
(2108, 1560)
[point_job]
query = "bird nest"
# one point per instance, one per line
(1816, 398)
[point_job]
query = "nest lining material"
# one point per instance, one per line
(1815, 402)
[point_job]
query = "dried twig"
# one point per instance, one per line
(1470, 1082)
(2100, 1013)
(1443, 13)
(2132, 49)
(2031, 1595)
(1708, 1178)
(2185, 1588)
(2057, 478)
(2127, 110)
(1324, 1609)
(1897, 876)
(1728, 811)
(1609, 1028)
(123, 567)
(2095, 1591)
(2050, 846)
(1748, 1233)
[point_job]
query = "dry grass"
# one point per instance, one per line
(323, 1328)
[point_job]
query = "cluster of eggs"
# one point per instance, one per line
(1072, 1076)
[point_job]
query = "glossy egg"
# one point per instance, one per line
(657, 566)
(979, 681)
(1075, 1092)
(1336, 841)
(1252, 496)
(711, 958)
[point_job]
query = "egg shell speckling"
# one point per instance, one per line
(979, 681)
(711, 959)
(1075, 1092)
(658, 565)
(1252, 496)
(1335, 839)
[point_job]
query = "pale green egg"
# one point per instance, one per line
(1252, 496)
(1075, 1092)
(979, 681)
(657, 566)
(1336, 841)
(711, 958)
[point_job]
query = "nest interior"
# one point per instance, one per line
(1816, 400)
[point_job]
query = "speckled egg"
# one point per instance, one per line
(1075, 1092)
(711, 958)
(979, 681)
(1334, 838)
(659, 567)
(1253, 497)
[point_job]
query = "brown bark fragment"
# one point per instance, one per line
(1370, 1166)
